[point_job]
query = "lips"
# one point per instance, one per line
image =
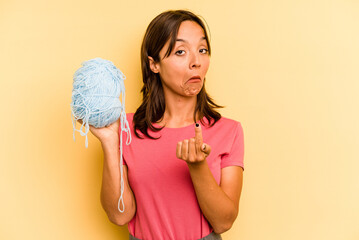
(195, 79)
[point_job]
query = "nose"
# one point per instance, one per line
(195, 61)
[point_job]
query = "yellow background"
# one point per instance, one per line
(287, 70)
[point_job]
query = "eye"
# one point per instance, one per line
(203, 50)
(180, 52)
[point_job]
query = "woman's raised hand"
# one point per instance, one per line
(105, 134)
(193, 150)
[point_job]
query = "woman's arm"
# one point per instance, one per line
(219, 204)
(111, 177)
(111, 189)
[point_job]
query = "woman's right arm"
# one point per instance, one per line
(111, 188)
(111, 177)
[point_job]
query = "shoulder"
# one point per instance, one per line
(129, 117)
(227, 123)
(224, 128)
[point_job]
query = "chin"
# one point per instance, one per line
(192, 92)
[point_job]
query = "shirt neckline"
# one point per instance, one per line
(173, 128)
(180, 128)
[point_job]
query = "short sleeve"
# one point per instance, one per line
(235, 157)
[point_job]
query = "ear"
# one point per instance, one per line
(153, 65)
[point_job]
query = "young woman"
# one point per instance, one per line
(184, 167)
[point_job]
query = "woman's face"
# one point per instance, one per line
(183, 71)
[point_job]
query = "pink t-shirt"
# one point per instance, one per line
(167, 207)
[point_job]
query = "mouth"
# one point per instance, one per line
(195, 79)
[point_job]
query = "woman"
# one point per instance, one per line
(184, 167)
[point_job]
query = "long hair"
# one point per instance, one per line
(162, 28)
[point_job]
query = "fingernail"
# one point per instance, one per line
(204, 147)
(197, 125)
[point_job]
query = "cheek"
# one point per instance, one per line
(205, 65)
(174, 73)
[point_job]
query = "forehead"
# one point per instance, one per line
(190, 29)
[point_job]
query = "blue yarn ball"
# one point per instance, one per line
(96, 92)
(97, 87)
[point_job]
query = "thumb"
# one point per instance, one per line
(206, 149)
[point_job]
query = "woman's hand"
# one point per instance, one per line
(105, 134)
(193, 150)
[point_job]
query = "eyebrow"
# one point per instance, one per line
(182, 40)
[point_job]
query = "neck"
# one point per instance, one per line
(179, 111)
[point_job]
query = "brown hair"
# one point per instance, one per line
(162, 28)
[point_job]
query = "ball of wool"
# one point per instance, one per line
(96, 90)
(97, 87)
